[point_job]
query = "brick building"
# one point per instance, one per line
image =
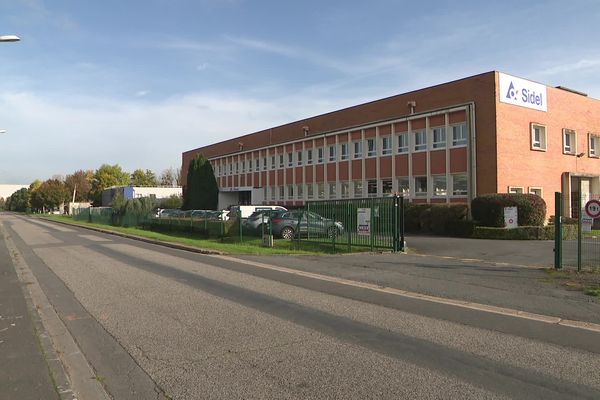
(489, 133)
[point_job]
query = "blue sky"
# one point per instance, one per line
(137, 83)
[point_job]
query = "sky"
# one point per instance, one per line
(138, 82)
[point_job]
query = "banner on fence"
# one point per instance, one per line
(364, 221)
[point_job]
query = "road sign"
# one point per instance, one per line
(592, 208)
(510, 217)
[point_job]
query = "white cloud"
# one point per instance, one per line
(48, 136)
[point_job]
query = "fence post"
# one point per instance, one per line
(372, 226)
(396, 221)
(579, 232)
(557, 230)
(402, 224)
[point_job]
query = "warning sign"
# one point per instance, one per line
(364, 221)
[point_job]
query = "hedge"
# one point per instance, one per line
(488, 210)
(439, 219)
(569, 232)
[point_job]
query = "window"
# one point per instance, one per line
(331, 153)
(439, 185)
(273, 188)
(320, 155)
(535, 190)
(265, 163)
(386, 187)
(372, 188)
(358, 189)
(299, 158)
(439, 138)
(332, 190)
(515, 189)
(345, 190)
(386, 145)
(272, 162)
(403, 143)
(230, 169)
(281, 164)
(281, 193)
(569, 141)
(219, 170)
(310, 191)
(257, 164)
(243, 167)
(459, 135)
(420, 140)
(309, 157)
(593, 145)
(344, 151)
(290, 190)
(371, 148)
(538, 137)
(459, 184)
(321, 190)
(403, 186)
(420, 186)
(249, 165)
(358, 149)
(237, 167)
(300, 192)
(290, 157)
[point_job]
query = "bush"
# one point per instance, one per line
(569, 232)
(440, 219)
(489, 209)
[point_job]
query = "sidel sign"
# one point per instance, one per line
(521, 92)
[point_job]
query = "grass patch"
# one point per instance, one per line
(587, 282)
(230, 245)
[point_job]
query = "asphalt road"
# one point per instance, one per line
(155, 322)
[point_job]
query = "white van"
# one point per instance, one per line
(246, 211)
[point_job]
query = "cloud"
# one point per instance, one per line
(71, 133)
(584, 64)
(142, 93)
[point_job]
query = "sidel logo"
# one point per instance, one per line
(512, 93)
(522, 92)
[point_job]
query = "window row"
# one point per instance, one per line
(537, 190)
(351, 150)
(420, 186)
(539, 141)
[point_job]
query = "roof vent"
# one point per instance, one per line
(572, 90)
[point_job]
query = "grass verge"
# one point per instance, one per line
(586, 281)
(225, 245)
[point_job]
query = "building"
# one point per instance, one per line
(489, 133)
(7, 190)
(134, 192)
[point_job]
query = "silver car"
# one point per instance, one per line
(305, 223)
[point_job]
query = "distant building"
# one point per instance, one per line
(134, 192)
(8, 190)
(488, 133)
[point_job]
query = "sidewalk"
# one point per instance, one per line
(24, 373)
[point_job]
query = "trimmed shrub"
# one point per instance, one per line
(440, 219)
(569, 232)
(488, 209)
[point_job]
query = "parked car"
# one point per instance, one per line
(286, 226)
(246, 211)
(256, 220)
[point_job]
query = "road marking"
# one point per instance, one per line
(589, 326)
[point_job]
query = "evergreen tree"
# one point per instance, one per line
(202, 191)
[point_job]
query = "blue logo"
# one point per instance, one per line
(512, 93)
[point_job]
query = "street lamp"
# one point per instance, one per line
(9, 38)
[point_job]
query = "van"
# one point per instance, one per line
(246, 211)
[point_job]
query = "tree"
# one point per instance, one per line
(2, 203)
(18, 201)
(49, 195)
(171, 202)
(107, 176)
(168, 177)
(143, 178)
(81, 183)
(202, 191)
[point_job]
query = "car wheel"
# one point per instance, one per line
(287, 233)
(332, 232)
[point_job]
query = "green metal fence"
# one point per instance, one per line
(370, 223)
(583, 250)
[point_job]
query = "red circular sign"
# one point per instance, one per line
(592, 208)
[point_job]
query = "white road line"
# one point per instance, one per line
(589, 326)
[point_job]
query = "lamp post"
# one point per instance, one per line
(9, 38)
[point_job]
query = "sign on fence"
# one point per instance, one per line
(364, 221)
(510, 217)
